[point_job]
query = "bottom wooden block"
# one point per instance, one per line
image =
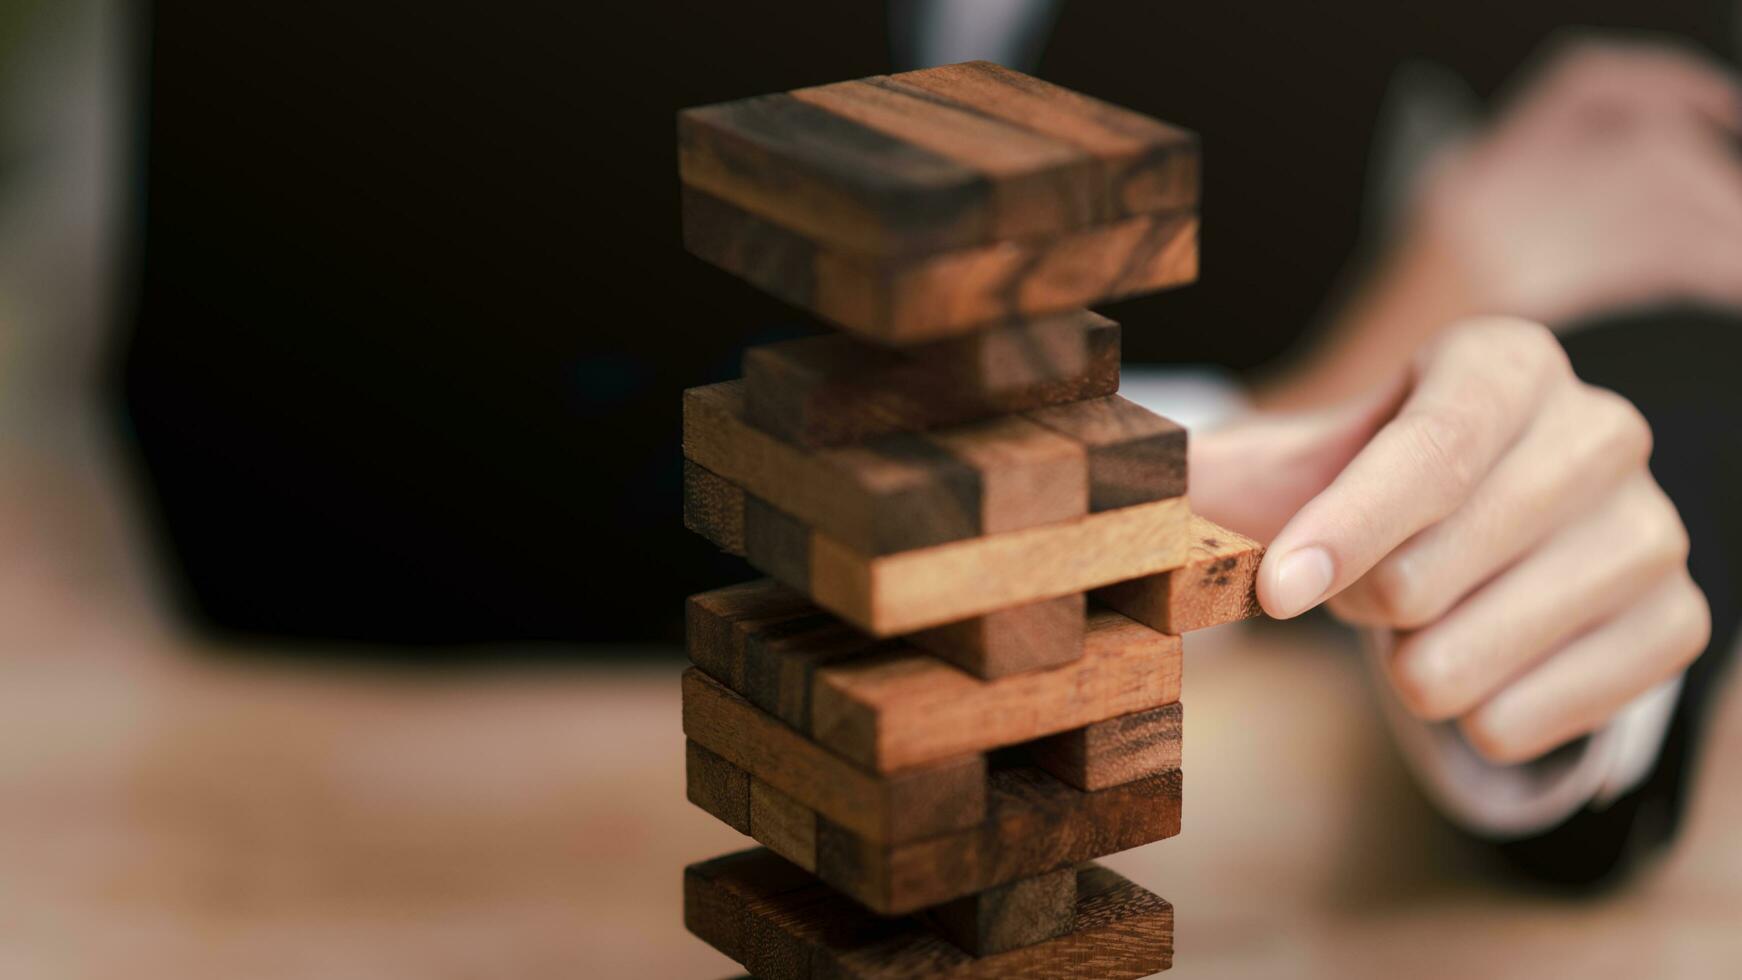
(1035, 824)
(781, 923)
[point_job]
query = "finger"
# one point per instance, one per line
(1589, 569)
(1476, 389)
(1585, 441)
(1254, 475)
(1578, 689)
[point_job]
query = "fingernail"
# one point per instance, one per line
(1302, 578)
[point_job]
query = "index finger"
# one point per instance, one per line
(1475, 390)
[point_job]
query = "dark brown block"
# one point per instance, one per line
(916, 802)
(1014, 640)
(921, 298)
(1145, 162)
(1035, 824)
(1135, 455)
(942, 158)
(893, 493)
(717, 786)
(894, 706)
(1218, 584)
(713, 508)
(833, 390)
(1021, 913)
(748, 906)
(1118, 750)
(718, 624)
(789, 826)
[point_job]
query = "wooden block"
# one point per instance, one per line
(789, 826)
(1028, 475)
(919, 801)
(1134, 455)
(718, 624)
(781, 660)
(1151, 165)
(1118, 750)
(748, 906)
(917, 163)
(894, 706)
(893, 710)
(718, 787)
(833, 390)
(713, 508)
(1036, 824)
(922, 588)
(1010, 641)
(921, 298)
(718, 893)
(1021, 913)
(894, 493)
(1217, 584)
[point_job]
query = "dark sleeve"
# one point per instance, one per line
(1672, 365)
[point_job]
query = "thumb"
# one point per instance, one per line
(1254, 475)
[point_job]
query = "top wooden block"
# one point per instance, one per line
(943, 158)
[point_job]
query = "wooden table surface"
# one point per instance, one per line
(170, 814)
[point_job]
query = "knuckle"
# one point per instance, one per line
(1423, 678)
(1493, 740)
(1693, 621)
(1532, 346)
(1667, 533)
(1629, 434)
(1397, 595)
(1445, 442)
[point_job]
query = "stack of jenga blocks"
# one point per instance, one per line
(961, 683)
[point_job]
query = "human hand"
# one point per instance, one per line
(1612, 181)
(1492, 510)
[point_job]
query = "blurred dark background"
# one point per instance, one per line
(411, 316)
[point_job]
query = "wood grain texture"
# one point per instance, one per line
(1035, 824)
(782, 924)
(936, 159)
(893, 493)
(789, 826)
(895, 806)
(1118, 750)
(780, 663)
(819, 173)
(918, 589)
(832, 390)
(1010, 641)
(1034, 184)
(1147, 165)
(914, 590)
(893, 710)
(911, 300)
(1217, 584)
(718, 624)
(718, 787)
(1024, 912)
(1134, 455)
(895, 705)
(713, 508)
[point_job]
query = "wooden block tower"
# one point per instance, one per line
(960, 683)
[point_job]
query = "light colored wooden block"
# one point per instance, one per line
(1216, 585)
